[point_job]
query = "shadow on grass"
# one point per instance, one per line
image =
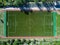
(26, 9)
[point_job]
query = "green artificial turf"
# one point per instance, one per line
(32, 24)
(58, 24)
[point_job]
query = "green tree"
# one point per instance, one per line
(47, 0)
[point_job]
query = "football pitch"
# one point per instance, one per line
(31, 24)
(58, 25)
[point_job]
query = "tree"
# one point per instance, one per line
(44, 40)
(46, 0)
(34, 42)
(4, 43)
(29, 41)
(8, 41)
(1, 4)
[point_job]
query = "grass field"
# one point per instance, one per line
(0, 0)
(32, 24)
(58, 25)
(1, 24)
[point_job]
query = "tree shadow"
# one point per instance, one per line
(47, 6)
(39, 6)
(26, 8)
